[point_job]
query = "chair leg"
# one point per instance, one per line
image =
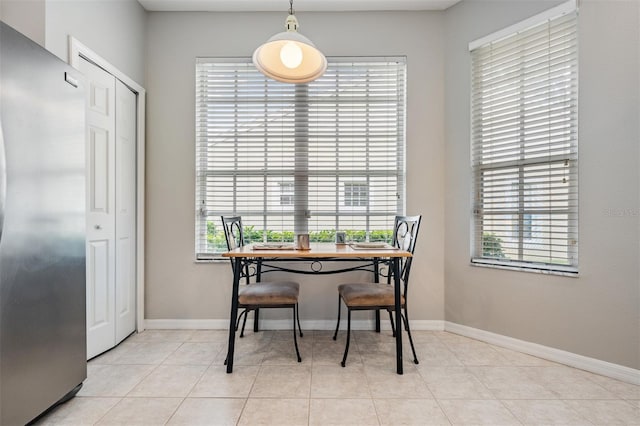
(239, 318)
(298, 318)
(244, 322)
(346, 348)
(335, 335)
(256, 318)
(406, 325)
(377, 320)
(393, 328)
(295, 337)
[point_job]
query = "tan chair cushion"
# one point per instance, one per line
(367, 294)
(269, 293)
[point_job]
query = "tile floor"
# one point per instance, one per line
(177, 377)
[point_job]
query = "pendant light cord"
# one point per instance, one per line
(291, 7)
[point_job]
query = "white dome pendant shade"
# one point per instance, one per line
(289, 56)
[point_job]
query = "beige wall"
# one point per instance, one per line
(114, 29)
(596, 314)
(26, 16)
(179, 288)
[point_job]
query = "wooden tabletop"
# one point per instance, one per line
(318, 250)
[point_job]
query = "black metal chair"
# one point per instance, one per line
(376, 296)
(258, 295)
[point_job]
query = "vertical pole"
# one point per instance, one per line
(301, 167)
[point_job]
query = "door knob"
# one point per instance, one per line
(98, 227)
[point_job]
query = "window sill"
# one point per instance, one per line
(209, 261)
(565, 272)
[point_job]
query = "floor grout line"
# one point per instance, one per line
(369, 365)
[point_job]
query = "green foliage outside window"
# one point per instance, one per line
(216, 240)
(492, 246)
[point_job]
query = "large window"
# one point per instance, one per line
(525, 144)
(311, 158)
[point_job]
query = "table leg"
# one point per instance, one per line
(376, 279)
(398, 310)
(237, 268)
(256, 313)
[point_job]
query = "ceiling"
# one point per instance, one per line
(298, 5)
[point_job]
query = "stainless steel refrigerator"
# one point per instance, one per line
(42, 230)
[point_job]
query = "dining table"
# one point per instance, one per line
(263, 258)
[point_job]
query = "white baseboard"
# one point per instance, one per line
(615, 371)
(186, 324)
(214, 324)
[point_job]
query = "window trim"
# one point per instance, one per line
(526, 267)
(570, 160)
(569, 6)
(300, 174)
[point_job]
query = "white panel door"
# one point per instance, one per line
(100, 109)
(125, 183)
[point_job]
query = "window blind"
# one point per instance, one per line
(524, 107)
(313, 158)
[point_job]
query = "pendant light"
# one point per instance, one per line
(289, 56)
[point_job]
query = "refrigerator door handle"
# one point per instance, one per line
(3, 180)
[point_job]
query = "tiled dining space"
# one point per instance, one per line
(177, 377)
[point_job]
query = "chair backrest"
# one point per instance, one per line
(233, 231)
(405, 232)
(405, 236)
(235, 238)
